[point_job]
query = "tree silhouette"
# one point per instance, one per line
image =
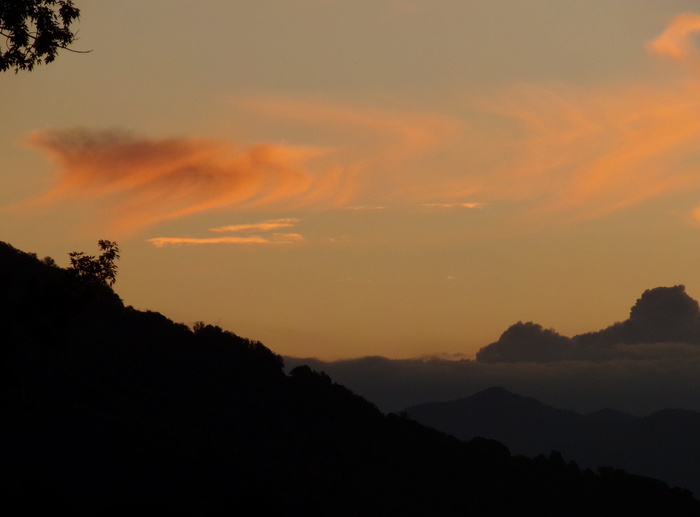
(101, 269)
(34, 31)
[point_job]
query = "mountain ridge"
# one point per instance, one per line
(657, 445)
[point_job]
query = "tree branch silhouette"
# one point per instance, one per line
(101, 269)
(34, 31)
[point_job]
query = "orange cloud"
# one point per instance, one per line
(588, 153)
(575, 154)
(377, 148)
(365, 207)
(454, 205)
(401, 134)
(139, 182)
(264, 226)
(676, 41)
(277, 238)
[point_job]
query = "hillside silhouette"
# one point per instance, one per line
(663, 444)
(106, 409)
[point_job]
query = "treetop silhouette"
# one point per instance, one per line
(34, 31)
(101, 269)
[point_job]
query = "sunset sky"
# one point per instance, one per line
(346, 178)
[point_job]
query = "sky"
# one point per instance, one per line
(338, 179)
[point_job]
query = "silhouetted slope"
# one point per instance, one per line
(525, 425)
(664, 445)
(107, 409)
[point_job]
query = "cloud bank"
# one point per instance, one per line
(632, 385)
(664, 320)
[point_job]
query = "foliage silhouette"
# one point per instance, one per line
(34, 31)
(101, 269)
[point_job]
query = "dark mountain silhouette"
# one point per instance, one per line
(523, 424)
(663, 445)
(105, 409)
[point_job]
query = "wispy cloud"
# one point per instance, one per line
(264, 226)
(454, 205)
(136, 182)
(574, 153)
(276, 238)
(397, 134)
(272, 224)
(676, 41)
(139, 181)
(587, 153)
(365, 207)
(377, 148)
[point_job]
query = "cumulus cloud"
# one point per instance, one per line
(664, 322)
(141, 181)
(527, 342)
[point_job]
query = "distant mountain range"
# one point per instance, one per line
(665, 444)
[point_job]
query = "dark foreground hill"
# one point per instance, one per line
(663, 445)
(107, 410)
